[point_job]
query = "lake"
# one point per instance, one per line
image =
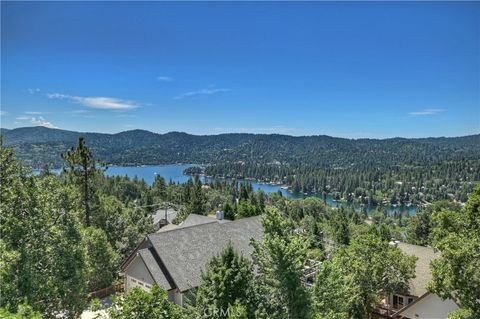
(174, 172)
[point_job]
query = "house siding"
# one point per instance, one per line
(137, 275)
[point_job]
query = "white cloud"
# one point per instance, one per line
(97, 102)
(33, 90)
(426, 112)
(3, 113)
(23, 118)
(201, 92)
(34, 113)
(164, 78)
(36, 121)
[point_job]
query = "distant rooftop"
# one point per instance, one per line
(160, 214)
(418, 285)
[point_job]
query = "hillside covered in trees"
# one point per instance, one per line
(89, 223)
(397, 170)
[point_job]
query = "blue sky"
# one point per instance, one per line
(365, 69)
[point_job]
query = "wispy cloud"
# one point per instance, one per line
(426, 112)
(164, 78)
(34, 113)
(201, 92)
(3, 113)
(33, 90)
(36, 121)
(97, 102)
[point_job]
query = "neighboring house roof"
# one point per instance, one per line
(183, 252)
(168, 227)
(423, 274)
(160, 214)
(194, 220)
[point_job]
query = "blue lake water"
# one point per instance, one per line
(174, 172)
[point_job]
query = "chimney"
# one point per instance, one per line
(220, 214)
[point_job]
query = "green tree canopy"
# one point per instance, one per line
(100, 259)
(456, 274)
(40, 236)
(227, 279)
(280, 257)
(360, 274)
(141, 304)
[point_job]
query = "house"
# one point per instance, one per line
(163, 217)
(416, 301)
(174, 258)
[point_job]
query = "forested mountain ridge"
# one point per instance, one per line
(140, 147)
(398, 169)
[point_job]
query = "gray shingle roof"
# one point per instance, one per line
(185, 251)
(168, 227)
(418, 285)
(154, 268)
(194, 219)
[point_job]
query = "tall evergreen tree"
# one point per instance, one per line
(82, 169)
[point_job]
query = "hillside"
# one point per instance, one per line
(306, 163)
(39, 145)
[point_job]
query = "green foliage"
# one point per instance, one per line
(82, 169)
(420, 229)
(95, 304)
(39, 243)
(238, 311)
(280, 258)
(334, 294)
(462, 314)
(227, 280)
(124, 226)
(354, 280)
(141, 304)
(100, 259)
(456, 274)
(24, 312)
(340, 226)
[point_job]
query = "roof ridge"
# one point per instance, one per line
(214, 221)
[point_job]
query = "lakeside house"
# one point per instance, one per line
(174, 257)
(417, 301)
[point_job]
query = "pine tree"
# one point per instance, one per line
(82, 169)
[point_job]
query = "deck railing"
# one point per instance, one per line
(104, 292)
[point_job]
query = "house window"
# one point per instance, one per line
(397, 302)
(410, 300)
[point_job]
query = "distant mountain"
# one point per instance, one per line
(36, 146)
